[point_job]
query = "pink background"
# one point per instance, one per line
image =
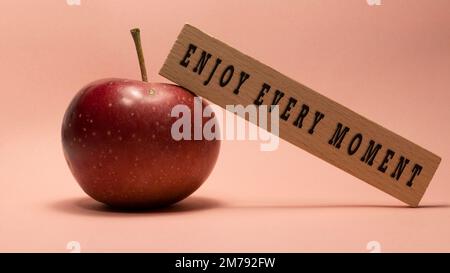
(390, 63)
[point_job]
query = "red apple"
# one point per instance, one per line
(117, 141)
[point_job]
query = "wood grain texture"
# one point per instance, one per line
(399, 167)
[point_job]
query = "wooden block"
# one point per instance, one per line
(311, 121)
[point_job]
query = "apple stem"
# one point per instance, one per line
(136, 33)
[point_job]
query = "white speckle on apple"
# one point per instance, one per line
(94, 133)
(110, 151)
(79, 115)
(127, 101)
(84, 129)
(119, 138)
(153, 136)
(109, 104)
(108, 133)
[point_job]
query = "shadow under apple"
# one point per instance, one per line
(89, 207)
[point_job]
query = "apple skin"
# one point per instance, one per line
(116, 137)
